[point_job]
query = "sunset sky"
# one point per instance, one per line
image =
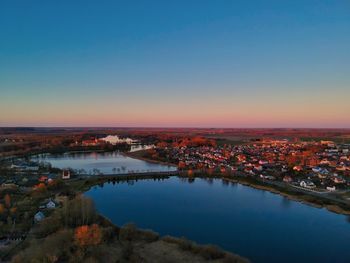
(199, 63)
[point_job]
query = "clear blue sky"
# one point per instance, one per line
(175, 63)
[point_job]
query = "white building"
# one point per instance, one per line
(307, 184)
(331, 188)
(114, 139)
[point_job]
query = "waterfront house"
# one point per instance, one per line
(316, 169)
(258, 167)
(337, 179)
(297, 168)
(307, 184)
(330, 188)
(287, 179)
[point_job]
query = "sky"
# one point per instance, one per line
(183, 63)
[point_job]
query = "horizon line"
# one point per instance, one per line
(168, 127)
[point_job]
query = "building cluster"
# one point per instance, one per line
(111, 139)
(314, 165)
(28, 175)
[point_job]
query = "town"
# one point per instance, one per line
(312, 171)
(317, 166)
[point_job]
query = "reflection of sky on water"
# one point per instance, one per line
(260, 225)
(107, 163)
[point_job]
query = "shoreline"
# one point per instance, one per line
(288, 192)
(137, 155)
(295, 195)
(334, 208)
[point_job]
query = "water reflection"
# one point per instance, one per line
(95, 163)
(236, 218)
(285, 202)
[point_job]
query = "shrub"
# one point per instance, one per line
(170, 239)
(50, 249)
(128, 232)
(231, 258)
(185, 244)
(47, 227)
(127, 251)
(109, 233)
(148, 235)
(211, 252)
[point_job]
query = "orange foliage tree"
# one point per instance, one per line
(190, 172)
(2, 209)
(13, 210)
(182, 165)
(87, 235)
(162, 145)
(40, 187)
(7, 201)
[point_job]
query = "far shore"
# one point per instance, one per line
(331, 207)
(292, 194)
(288, 192)
(139, 155)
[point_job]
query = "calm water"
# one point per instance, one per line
(105, 162)
(262, 226)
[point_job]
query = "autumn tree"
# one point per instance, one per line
(13, 210)
(162, 144)
(87, 235)
(2, 209)
(181, 165)
(190, 172)
(40, 187)
(7, 201)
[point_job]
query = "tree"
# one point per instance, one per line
(79, 211)
(41, 187)
(2, 209)
(13, 210)
(7, 201)
(87, 235)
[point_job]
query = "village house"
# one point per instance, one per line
(90, 142)
(43, 178)
(66, 174)
(307, 184)
(287, 179)
(50, 205)
(331, 188)
(297, 168)
(39, 216)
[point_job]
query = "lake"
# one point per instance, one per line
(105, 162)
(259, 225)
